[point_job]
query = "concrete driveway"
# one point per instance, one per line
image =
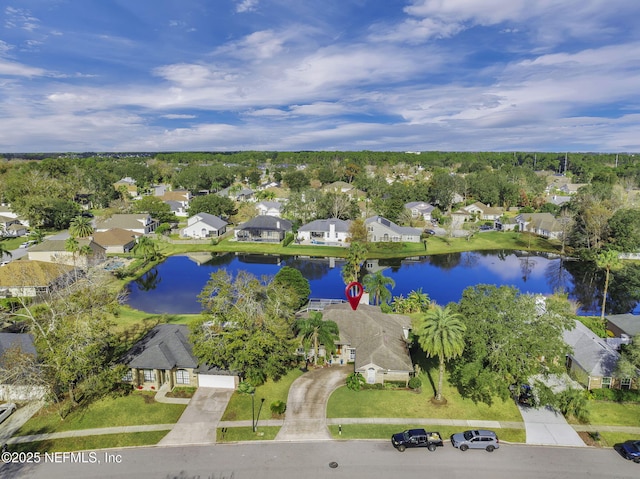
(199, 421)
(548, 427)
(306, 416)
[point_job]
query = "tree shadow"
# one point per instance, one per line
(426, 365)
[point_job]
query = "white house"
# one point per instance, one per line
(271, 208)
(331, 232)
(204, 225)
(380, 229)
(420, 209)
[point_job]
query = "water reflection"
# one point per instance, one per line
(173, 286)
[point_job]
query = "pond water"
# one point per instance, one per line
(172, 287)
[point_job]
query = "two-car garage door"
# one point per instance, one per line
(216, 381)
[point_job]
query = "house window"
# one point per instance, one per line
(625, 383)
(149, 376)
(606, 383)
(128, 376)
(182, 376)
(352, 355)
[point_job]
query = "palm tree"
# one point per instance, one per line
(80, 227)
(318, 331)
(608, 260)
(146, 247)
(36, 235)
(377, 284)
(441, 333)
(355, 257)
(418, 301)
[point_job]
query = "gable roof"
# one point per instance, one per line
(401, 230)
(377, 337)
(591, 352)
(267, 222)
(115, 237)
(58, 245)
(341, 226)
(420, 206)
(629, 323)
(270, 204)
(124, 221)
(166, 346)
(209, 219)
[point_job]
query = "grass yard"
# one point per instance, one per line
(137, 408)
(239, 407)
(384, 431)
(614, 413)
(91, 442)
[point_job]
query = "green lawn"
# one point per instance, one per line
(137, 408)
(239, 407)
(614, 413)
(235, 434)
(91, 442)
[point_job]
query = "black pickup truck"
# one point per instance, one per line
(416, 438)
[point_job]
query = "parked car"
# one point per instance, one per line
(631, 450)
(478, 439)
(486, 227)
(416, 438)
(526, 396)
(26, 244)
(430, 232)
(7, 410)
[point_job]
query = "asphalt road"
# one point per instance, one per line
(310, 460)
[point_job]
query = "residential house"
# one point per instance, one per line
(127, 184)
(592, 361)
(55, 251)
(380, 229)
(376, 343)
(116, 240)
(178, 200)
(16, 389)
(141, 223)
(264, 228)
(237, 194)
(164, 356)
(624, 325)
(28, 279)
(420, 209)
(330, 232)
(204, 225)
(541, 224)
(345, 188)
(270, 208)
(11, 226)
(571, 188)
(478, 211)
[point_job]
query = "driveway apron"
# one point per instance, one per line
(546, 426)
(199, 421)
(306, 418)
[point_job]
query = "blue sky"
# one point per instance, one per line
(412, 75)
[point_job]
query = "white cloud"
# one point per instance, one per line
(178, 117)
(17, 69)
(246, 6)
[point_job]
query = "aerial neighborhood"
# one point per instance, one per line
(84, 235)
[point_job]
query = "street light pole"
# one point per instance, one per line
(253, 413)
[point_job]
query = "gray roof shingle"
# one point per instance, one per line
(164, 347)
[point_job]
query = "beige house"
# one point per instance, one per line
(141, 223)
(116, 240)
(376, 343)
(164, 357)
(55, 251)
(28, 279)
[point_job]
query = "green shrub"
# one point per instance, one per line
(415, 383)
(355, 381)
(245, 387)
(278, 408)
(288, 239)
(617, 395)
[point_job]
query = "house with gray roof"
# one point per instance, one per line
(263, 228)
(329, 232)
(164, 357)
(541, 224)
(204, 225)
(420, 209)
(380, 229)
(141, 223)
(376, 343)
(622, 325)
(271, 208)
(592, 361)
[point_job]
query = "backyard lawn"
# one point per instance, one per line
(613, 413)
